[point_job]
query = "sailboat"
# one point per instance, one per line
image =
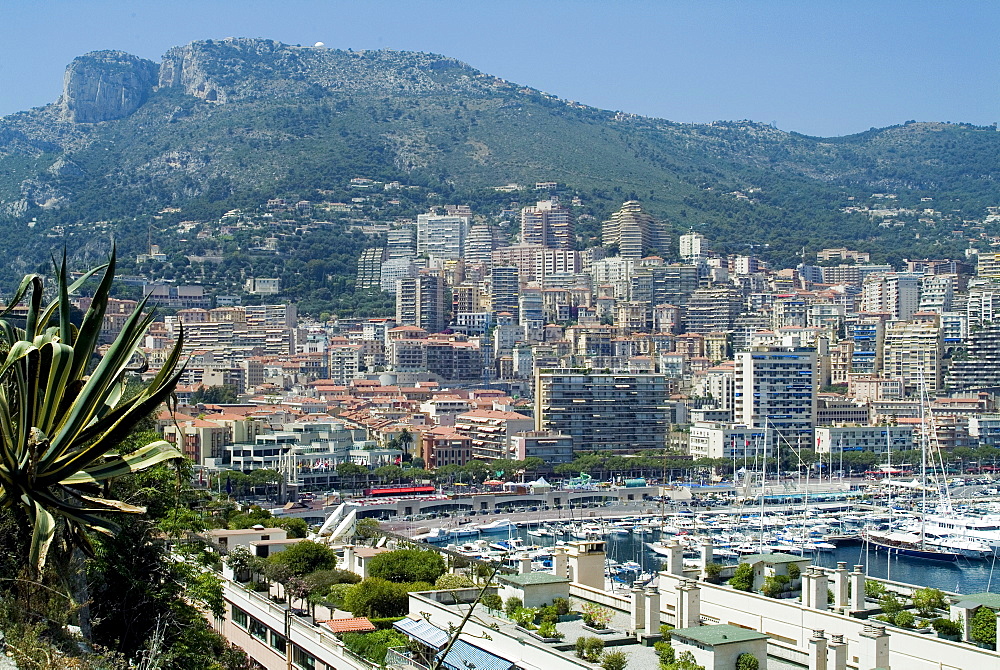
(899, 542)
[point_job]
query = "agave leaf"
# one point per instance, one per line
(140, 459)
(44, 528)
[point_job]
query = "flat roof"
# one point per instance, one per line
(533, 578)
(991, 600)
(773, 558)
(717, 635)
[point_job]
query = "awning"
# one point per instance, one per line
(423, 632)
(463, 656)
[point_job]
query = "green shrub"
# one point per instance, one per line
(373, 646)
(548, 614)
(904, 619)
(926, 600)
(548, 629)
(774, 585)
(742, 579)
(512, 605)
(890, 604)
(747, 661)
(593, 648)
(580, 647)
(794, 572)
(614, 660)
(874, 590)
(665, 652)
(947, 627)
(713, 571)
(452, 581)
(665, 629)
(983, 627)
(525, 616)
(561, 605)
(492, 601)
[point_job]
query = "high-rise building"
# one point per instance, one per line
(549, 224)
(692, 246)
(633, 231)
(505, 287)
(980, 369)
(897, 293)
(370, 268)
(442, 236)
(867, 333)
(420, 302)
(937, 293)
(625, 413)
(480, 244)
(401, 242)
(913, 352)
(775, 390)
(712, 309)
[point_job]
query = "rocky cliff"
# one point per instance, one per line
(106, 85)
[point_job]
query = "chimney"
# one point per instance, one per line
(817, 651)
(637, 619)
(675, 558)
(874, 648)
(820, 585)
(838, 652)
(688, 611)
(707, 547)
(559, 562)
(857, 579)
(807, 587)
(652, 611)
(524, 564)
(840, 582)
(349, 558)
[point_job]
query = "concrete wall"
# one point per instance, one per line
(790, 625)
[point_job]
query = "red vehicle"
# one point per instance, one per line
(400, 491)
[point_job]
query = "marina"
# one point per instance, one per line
(637, 544)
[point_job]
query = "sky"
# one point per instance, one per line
(818, 67)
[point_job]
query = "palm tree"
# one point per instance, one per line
(60, 426)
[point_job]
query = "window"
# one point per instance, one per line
(304, 660)
(258, 630)
(239, 617)
(278, 642)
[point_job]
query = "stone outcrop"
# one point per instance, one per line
(106, 85)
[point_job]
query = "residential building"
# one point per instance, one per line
(549, 224)
(633, 231)
(776, 390)
(624, 413)
(835, 440)
(420, 302)
(913, 351)
(442, 236)
(553, 448)
(979, 369)
(491, 432)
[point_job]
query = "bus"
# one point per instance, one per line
(389, 491)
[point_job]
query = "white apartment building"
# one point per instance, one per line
(442, 236)
(776, 390)
(836, 440)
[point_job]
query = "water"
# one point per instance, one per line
(965, 576)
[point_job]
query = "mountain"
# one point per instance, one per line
(231, 123)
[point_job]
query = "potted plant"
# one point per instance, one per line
(947, 629)
(596, 618)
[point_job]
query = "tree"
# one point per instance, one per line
(983, 626)
(874, 590)
(747, 661)
(376, 597)
(214, 395)
(492, 601)
(685, 662)
(62, 423)
(367, 528)
(928, 599)
(742, 579)
(890, 604)
(407, 565)
(305, 557)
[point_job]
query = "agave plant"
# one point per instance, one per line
(59, 425)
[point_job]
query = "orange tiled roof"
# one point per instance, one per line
(356, 625)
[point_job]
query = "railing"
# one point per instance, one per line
(401, 657)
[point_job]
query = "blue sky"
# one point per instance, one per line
(827, 68)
